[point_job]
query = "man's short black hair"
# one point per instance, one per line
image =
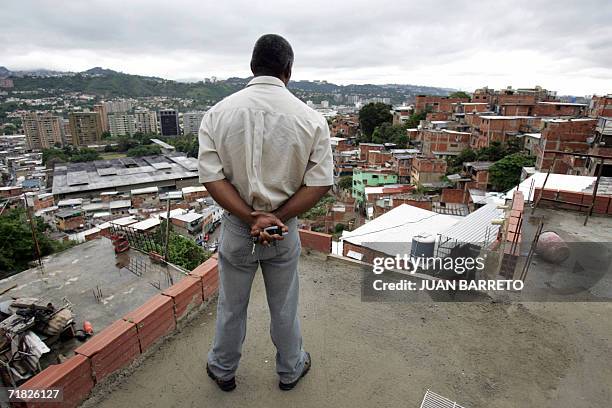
(272, 55)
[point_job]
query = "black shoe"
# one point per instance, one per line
(290, 386)
(225, 385)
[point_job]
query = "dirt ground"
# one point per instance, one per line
(388, 354)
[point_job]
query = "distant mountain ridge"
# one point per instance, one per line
(110, 83)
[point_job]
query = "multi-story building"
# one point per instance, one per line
(556, 109)
(483, 95)
(85, 128)
(601, 106)
(443, 142)
(438, 107)
(427, 170)
(379, 157)
(169, 122)
(6, 83)
(370, 177)
(568, 135)
(365, 148)
(488, 128)
(121, 105)
(146, 122)
(121, 124)
(344, 126)
(69, 219)
(401, 114)
(42, 130)
(601, 145)
(100, 108)
(66, 131)
(341, 144)
(478, 173)
(191, 122)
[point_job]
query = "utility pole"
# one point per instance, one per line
(167, 229)
(34, 238)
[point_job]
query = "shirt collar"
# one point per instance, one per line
(266, 80)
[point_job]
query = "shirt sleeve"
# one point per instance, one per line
(209, 164)
(320, 169)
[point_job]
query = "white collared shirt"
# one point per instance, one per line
(266, 142)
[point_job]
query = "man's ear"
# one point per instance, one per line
(287, 75)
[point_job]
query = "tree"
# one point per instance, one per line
(494, 152)
(373, 115)
(144, 150)
(455, 164)
(459, 94)
(506, 173)
(52, 156)
(17, 252)
(182, 251)
(414, 119)
(68, 154)
(388, 133)
(185, 253)
(186, 144)
(85, 154)
(319, 209)
(345, 183)
(125, 143)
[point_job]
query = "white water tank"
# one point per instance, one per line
(423, 246)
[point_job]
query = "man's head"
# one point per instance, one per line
(272, 56)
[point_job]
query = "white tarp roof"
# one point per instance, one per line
(555, 182)
(145, 190)
(393, 231)
(193, 189)
(146, 224)
(124, 221)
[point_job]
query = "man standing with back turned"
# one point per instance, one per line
(265, 157)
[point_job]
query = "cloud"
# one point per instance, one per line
(561, 45)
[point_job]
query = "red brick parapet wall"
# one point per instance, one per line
(514, 236)
(568, 199)
(117, 345)
(316, 241)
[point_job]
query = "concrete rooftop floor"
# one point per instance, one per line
(483, 354)
(76, 273)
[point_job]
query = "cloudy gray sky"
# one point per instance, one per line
(561, 45)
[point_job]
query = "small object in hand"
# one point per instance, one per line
(275, 230)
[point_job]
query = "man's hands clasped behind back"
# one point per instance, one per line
(263, 220)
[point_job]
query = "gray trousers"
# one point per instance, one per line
(237, 268)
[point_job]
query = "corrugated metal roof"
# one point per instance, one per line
(476, 227)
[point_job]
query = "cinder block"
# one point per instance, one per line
(153, 320)
(209, 266)
(74, 376)
(186, 294)
(518, 201)
(316, 241)
(570, 197)
(111, 349)
(211, 286)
